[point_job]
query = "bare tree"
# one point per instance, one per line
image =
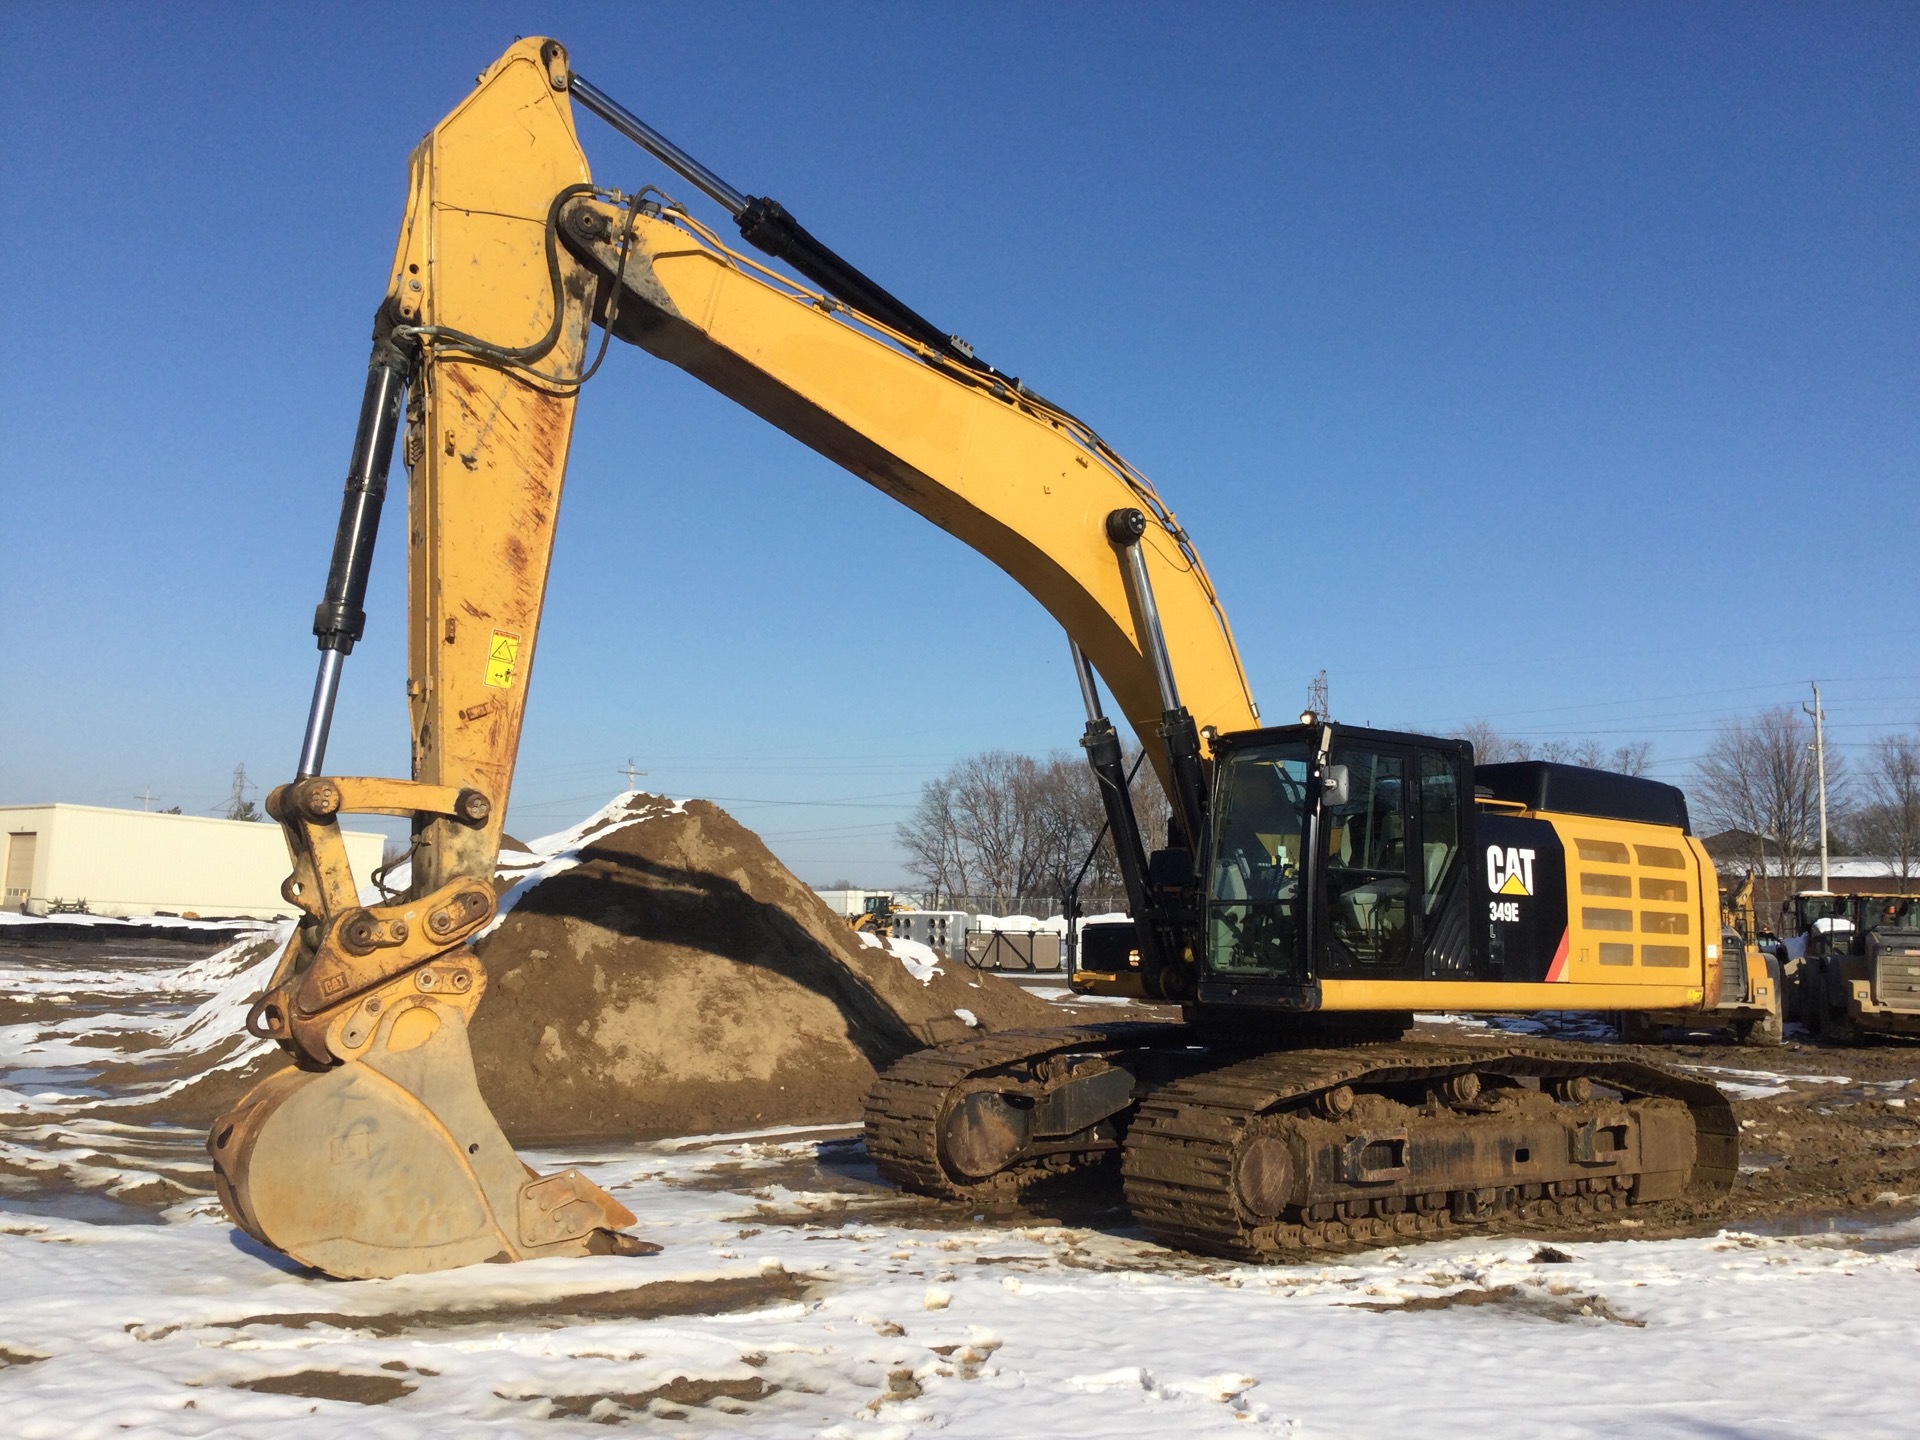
(1759, 777)
(997, 824)
(931, 838)
(1889, 823)
(1082, 818)
(1490, 747)
(1007, 827)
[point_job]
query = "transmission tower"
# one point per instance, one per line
(238, 806)
(1317, 698)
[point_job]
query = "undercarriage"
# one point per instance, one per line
(1261, 1154)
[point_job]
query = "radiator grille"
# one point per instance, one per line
(1733, 974)
(1896, 970)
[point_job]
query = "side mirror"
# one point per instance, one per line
(1335, 789)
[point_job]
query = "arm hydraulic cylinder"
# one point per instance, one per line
(339, 620)
(766, 225)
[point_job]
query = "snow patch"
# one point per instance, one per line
(922, 961)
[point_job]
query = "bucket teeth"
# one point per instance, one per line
(391, 1163)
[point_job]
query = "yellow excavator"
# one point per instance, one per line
(1322, 882)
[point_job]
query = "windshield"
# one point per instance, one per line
(1254, 909)
(1886, 912)
(1814, 908)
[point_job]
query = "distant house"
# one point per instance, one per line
(132, 862)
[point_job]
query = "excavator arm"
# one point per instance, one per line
(375, 1153)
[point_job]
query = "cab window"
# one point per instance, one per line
(1254, 904)
(1368, 894)
(1439, 825)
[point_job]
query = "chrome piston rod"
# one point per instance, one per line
(656, 144)
(339, 620)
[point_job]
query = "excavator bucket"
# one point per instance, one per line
(392, 1163)
(375, 1153)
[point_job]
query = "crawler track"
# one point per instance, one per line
(1186, 1140)
(1180, 1154)
(907, 1103)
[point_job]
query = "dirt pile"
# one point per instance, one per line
(680, 980)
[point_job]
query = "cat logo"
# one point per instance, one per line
(1509, 872)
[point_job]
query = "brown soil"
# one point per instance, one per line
(331, 1385)
(678, 1391)
(205, 1093)
(1560, 1304)
(682, 981)
(725, 1295)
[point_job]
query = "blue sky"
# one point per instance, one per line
(1554, 366)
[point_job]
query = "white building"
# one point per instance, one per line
(130, 862)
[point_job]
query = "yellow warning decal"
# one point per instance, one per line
(503, 654)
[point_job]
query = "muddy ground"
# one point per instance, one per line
(1823, 1146)
(1839, 1134)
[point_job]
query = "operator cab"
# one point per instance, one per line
(1335, 853)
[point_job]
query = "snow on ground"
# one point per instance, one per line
(192, 1014)
(799, 1296)
(844, 1326)
(1574, 1025)
(108, 925)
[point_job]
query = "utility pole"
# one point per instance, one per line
(146, 798)
(1820, 763)
(631, 773)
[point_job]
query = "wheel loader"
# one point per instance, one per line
(1863, 977)
(1322, 881)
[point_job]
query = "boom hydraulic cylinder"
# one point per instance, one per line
(1102, 744)
(1125, 529)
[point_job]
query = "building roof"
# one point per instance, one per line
(157, 816)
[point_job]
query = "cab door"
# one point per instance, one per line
(1367, 905)
(1391, 822)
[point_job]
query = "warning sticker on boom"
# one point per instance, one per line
(503, 654)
